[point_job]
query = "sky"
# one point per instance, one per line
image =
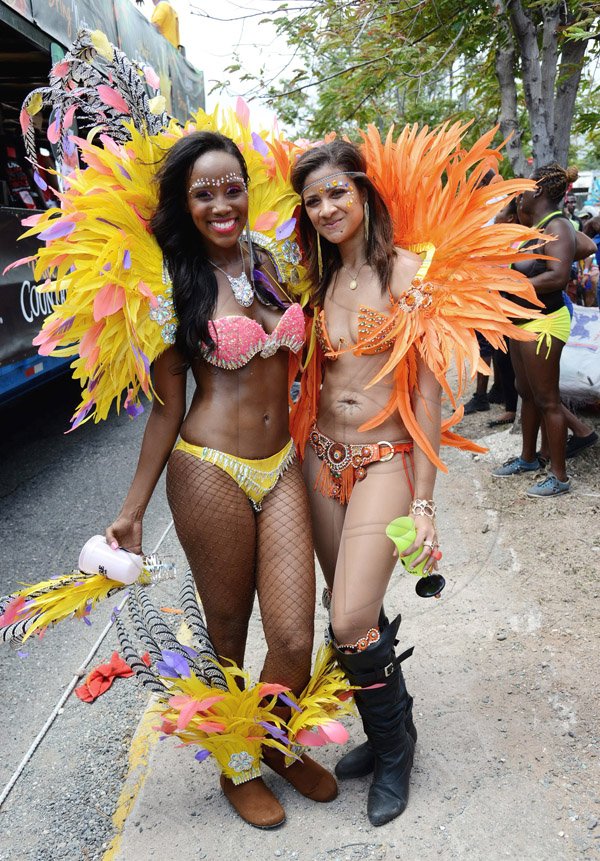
(211, 32)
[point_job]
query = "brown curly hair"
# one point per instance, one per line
(554, 179)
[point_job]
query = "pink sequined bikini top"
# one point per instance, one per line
(238, 339)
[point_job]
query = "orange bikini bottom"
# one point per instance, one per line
(343, 465)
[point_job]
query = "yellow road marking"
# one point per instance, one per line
(143, 742)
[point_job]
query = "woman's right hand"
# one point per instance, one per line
(126, 533)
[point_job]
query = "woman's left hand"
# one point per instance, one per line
(426, 541)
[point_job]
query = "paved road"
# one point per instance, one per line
(495, 775)
(56, 491)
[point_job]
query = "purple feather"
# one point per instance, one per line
(61, 228)
(127, 259)
(266, 288)
(139, 354)
(274, 731)
(134, 409)
(64, 327)
(259, 145)
(40, 181)
(80, 415)
(289, 702)
(189, 651)
(173, 666)
(124, 172)
(286, 229)
(202, 755)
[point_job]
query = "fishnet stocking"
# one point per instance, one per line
(285, 581)
(234, 552)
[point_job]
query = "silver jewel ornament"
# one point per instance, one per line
(241, 288)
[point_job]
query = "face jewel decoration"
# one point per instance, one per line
(206, 182)
(326, 181)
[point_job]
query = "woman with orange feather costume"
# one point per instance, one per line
(397, 253)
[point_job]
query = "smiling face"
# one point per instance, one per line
(217, 199)
(333, 204)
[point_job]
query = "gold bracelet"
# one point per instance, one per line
(423, 508)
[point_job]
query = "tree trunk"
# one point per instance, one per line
(506, 66)
(509, 123)
(571, 65)
(550, 84)
(534, 86)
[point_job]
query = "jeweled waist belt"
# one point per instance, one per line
(339, 456)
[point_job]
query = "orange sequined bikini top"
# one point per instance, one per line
(374, 333)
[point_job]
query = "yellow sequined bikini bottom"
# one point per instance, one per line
(255, 477)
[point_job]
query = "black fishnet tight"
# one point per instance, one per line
(235, 552)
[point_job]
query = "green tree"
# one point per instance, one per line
(516, 62)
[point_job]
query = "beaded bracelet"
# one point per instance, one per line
(423, 508)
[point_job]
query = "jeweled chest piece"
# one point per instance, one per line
(242, 289)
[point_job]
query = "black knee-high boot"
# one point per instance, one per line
(359, 761)
(382, 704)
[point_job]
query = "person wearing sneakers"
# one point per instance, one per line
(537, 363)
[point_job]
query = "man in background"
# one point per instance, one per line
(165, 20)
(570, 207)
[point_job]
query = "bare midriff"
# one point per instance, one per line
(242, 412)
(345, 404)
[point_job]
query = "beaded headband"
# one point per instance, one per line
(326, 179)
(205, 182)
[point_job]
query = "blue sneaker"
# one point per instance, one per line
(550, 486)
(516, 466)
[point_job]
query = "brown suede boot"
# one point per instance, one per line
(308, 777)
(254, 802)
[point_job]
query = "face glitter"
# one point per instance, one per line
(206, 182)
(325, 181)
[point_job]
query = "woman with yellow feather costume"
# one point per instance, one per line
(387, 325)
(175, 248)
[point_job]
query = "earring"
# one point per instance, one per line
(366, 220)
(319, 256)
(250, 251)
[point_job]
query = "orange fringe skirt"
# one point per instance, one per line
(343, 465)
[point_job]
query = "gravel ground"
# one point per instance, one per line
(504, 678)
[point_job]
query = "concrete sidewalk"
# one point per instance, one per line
(480, 786)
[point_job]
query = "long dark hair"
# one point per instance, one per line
(346, 158)
(195, 286)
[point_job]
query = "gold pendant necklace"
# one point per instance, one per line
(354, 277)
